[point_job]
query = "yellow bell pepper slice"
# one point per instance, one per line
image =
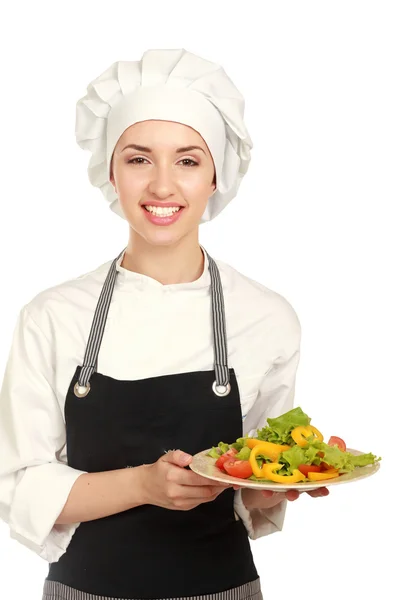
(269, 473)
(268, 448)
(253, 462)
(321, 476)
(299, 434)
(317, 433)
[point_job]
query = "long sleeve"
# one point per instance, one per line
(275, 397)
(35, 482)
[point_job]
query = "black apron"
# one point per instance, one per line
(149, 551)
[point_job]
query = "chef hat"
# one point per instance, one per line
(169, 85)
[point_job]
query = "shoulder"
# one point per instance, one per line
(63, 301)
(264, 303)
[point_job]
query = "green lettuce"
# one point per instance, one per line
(244, 453)
(214, 452)
(298, 456)
(278, 430)
(344, 461)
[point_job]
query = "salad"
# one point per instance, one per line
(288, 450)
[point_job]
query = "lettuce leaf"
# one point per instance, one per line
(214, 452)
(278, 429)
(244, 454)
(344, 461)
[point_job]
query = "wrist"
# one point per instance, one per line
(138, 493)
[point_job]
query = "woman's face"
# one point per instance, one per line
(162, 163)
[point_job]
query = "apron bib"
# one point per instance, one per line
(149, 552)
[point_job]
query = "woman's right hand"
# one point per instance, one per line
(166, 483)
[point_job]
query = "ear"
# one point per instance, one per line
(112, 180)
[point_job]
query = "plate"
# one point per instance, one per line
(205, 466)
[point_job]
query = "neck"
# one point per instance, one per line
(181, 262)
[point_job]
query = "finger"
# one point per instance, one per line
(188, 477)
(271, 493)
(292, 495)
(318, 493)
(190, 492)
(177, 457)
(267, 493)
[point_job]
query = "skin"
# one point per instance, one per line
(171, 254)
(251, 498)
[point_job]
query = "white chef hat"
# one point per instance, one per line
(169, 85)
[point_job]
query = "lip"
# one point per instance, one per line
(155, 220)
(165, 204)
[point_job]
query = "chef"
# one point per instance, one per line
(117, 377)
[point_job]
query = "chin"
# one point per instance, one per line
(162, 236)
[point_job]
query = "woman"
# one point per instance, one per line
(148, 359)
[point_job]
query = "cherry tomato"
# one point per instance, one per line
(221, 460)
(305, 469)
(337, 440)
(238, 468)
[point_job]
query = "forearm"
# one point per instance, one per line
(97, 495)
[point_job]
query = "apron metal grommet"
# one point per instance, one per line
(221, 390)
(81, 394)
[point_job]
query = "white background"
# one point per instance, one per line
(315, 220)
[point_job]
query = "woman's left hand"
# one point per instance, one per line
(267, 498)
(294, 494)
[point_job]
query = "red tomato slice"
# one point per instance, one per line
(224, 457)
(238, 468)
(337, 440)
(325, 466)
(305, 469)
(231, 452)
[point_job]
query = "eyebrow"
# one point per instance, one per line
(146, 149)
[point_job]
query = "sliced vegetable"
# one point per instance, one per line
(306, 469)
(268, 448)
(325, 466)
(300, 435)
(316, 433)
(323, 475)
(238, 468)
(244, 454)
(337, 440)
(279, 428)
(269, 473)
(257, 471)
(224, 457)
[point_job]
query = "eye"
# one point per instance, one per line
(193, 162)
(135, 159)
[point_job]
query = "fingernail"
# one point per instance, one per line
(184, 458)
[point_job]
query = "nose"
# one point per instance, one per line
(162, 183)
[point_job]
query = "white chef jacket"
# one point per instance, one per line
(151, 330)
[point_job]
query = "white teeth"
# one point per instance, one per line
(161, 211)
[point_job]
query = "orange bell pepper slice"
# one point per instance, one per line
(322, 475)
(299, 434)
(269, 473)
(268, 448)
